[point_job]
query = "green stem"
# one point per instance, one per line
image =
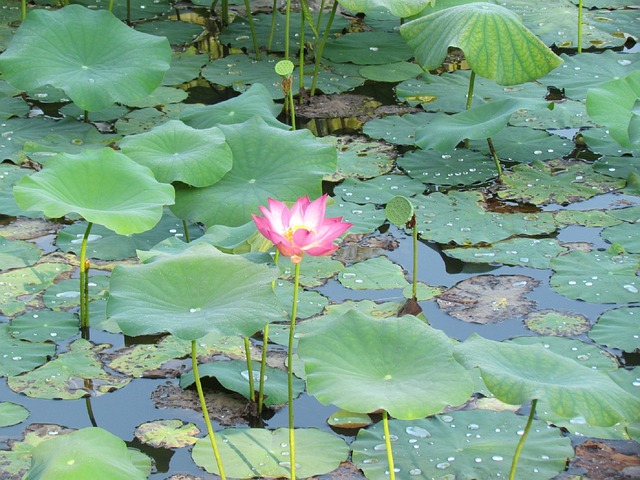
(292, 110)
(320, 12)
(274, 10)
(247, 354)
(24, 10)
(287, 22)
(496, 159)
(301, 59)
(516, 455)
(185, 227)
(472, 81)
(84, 282)
(110, 6)
(579, 26)
(387, 441)
(292, 327)
(205, 412)
(225, 12)
(414, 289)
(320, 47)
(129, 12)
(254, 36)
(265, 343)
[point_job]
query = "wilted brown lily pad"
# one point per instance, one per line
(489, 298)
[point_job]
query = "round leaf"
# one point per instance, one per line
(12, 414)
(618, 328)
(103, 186)
(421, 381)
(181, 295)
(66, 48)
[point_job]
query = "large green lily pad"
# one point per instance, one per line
(12, 414)
(368, 48)
(379, 189)
(45, 325)
(148, 299)
(421, 381)
(66, 48)
(377, 273)
(20, 356)
(598, 277)
(465, 444)
(71, 375)
(397, 129)
(458, 167)
(625, 235)
(103, 186)
(398, 8)
(171, 433)
(17, 253)
(618, 328)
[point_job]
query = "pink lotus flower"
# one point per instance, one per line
(303, 229)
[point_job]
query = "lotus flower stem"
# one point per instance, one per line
(274, 9)
(110, 6)
(185, 227)
(496, 159)
(320, 47)
(247, 354)
(23, 14)
(579, 26)
(205, 412)
(292, 327)
(287, 22)
(414, 287)
(516, 455)
(387, 441)
(301, 55)
(254, 37)
(84, 282)
(265, 344)
(472, 81)
(225, 12)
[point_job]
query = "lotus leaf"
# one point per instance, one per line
(177, 32)
(368, 48)
(421, 381)
(618, 328)
(377, 273)
(103, 186)
(12, 414)
(65, 294)
(359, 157)
(167, 433)
(625, 234)
(459, 167)
(462, 444)
(148, 299)
(517, 374)
(20, 356)
(392, 72)
(379, 189)
(65, 48)
(160, 96)
(17, 253)
(365, 218)
(397, 129)
(9, 176)
(398, 8)
(519, 144)
(185, 66)
(551, 322)
(269, 163)
(494, 41)
(45, 325)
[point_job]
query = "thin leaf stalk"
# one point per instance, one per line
(265, 343)
(84, 281)
(23, 14)
(387, 442)
(320, 48)
(292, 327)
(472, 81)
(579, 26)
(274, 9)
(516, 455)
(247, 354)
(301, 58)
(225, 12)
(205, 412)
(414, 288)
(185, 227)
(254, 35)
(110, 6)
(287, 27)
(496, 159)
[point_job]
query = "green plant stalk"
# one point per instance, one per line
(225, 12)
(129, 12)
(265, 343)
(205, 412)
(23, 14)
(287, 22)
(254, 36)
(110, 6)
(414, 288)
(301, 58)
(247, 354)
(185, 227)
(84, 282)
(320, 12)
(294, 313)
(516, 455)
(472, 81)
(496, 159)
(273, 25)
(320, 48)
(579, 26)
(292, 110)
(387, 442)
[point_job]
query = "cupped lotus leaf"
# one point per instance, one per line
(618, 328)
(517, 374)
(399, 8)
(66, 48)
(492, 37)
(79, 455)
(194, 293)
(465, 444)
(268, 163)
(12, 414)
(598, 277)
(258, 452)
(421, 381)
(615, 104)
(176, 152)
(103, 186)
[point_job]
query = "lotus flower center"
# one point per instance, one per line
(288, 233)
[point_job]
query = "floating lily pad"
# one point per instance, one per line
(598, 277)
(314, 271)
(378, 190)
(586, 218)
(397, 129)
(379, 310)
(74, 374)
(339, 370)
(618, 167)
(564, 387)
(489, 298)
(521, 144)
(398, 8)
(365, 218)
(310, 302)
(618, 328)
(625, 234)
(103, 186)
(269, 163)
(66, 294)
(18, 287)
(459, 167)
(17, 253)
(161, 96)
(377, 273)
(10, 175)
(462, 444)
(138, 121)
(185, 66)
(344, 419)
(526, 252)
(392, 72)
(75, 456)
(20, 356)
(551, 322)
(251, 452)
(368, 48)
(458, 217)
(177, 32)
(361, 158)
(234, 376)
(45, 325)
(423, 291)
(553, 118)
(171, 433)
(146, 299)
(12, 414)
(63, 48)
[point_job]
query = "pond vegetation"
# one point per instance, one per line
(452, 272)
